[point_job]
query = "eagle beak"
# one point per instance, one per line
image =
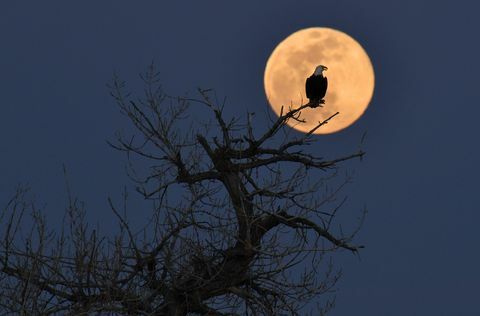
(325, 68)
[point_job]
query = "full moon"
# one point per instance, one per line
(350, 78)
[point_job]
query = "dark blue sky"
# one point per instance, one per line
(419, 179)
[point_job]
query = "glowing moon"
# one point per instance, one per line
(350, 77)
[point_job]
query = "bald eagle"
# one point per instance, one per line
(316, 86)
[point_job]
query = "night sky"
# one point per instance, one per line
(419, 179)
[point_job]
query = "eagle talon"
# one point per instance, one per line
(314, 105)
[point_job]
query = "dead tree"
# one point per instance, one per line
(243, 222)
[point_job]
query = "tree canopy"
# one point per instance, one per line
(242, 222)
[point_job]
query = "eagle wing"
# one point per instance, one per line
(324, 87)
(309, 87)
(316, 87)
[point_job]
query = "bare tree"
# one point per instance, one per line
(243, 222)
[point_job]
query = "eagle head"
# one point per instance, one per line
(319, 70)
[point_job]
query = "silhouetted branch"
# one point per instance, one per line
(241, 223)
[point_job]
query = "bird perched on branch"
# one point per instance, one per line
(316, 87)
